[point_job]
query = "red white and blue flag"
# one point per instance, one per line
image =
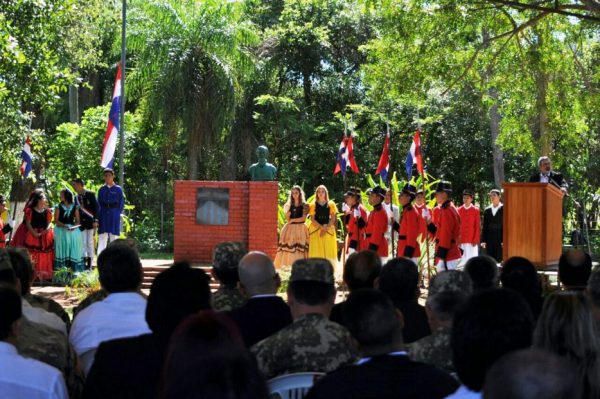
(383, 167)
(26, 157)
(414, 156)
(112, 129)
(345, 157)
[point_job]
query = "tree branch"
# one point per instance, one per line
(562, 9)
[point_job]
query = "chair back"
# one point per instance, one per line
(292, 386)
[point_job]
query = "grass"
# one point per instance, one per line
(156, 255)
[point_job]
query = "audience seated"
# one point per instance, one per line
(531, 374)
(574, 269)
(483, 271)
(91, 298)
(38, 341)
(121, 313)
(566, 327)
(207, 359)
(360, 271)
(399, 280)
(226, 258)
(520, 275)
(490, 324)
(593, 292)
(312, 342)
(384, 371)
(22, 377)
(447, 291)
(264, 313)
(131, 367)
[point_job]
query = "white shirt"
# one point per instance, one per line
(119, 315)
(23, 378)
(42, 316)
(393, 213)
(544, 178)
(495, 208)
(464, 393)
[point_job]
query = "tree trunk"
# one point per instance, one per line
(73, 104)
(307, 88)
(193, 155)
(498, 154)
(543, 128)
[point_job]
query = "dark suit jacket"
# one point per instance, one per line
(385, 377)
(337, 313)
(127, 368)
(260, 318)
(554, 176)
(416, 325)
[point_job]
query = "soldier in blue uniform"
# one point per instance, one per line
(111, 202)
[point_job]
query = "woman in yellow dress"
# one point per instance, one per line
(323, 240)
(293, 240)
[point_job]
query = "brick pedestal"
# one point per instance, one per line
(252, 219)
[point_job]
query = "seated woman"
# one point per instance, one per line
(68, 247)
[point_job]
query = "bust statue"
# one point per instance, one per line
(262, 170)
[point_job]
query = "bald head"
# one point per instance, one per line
(257, 274)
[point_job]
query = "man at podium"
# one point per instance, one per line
(547, 175)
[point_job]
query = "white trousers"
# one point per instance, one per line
(469, 251)
(88, 243)
(451, 264)
(104, 239)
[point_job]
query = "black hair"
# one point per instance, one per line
(371, 318)
(445, 303)
(35, 197)
(119, 268)
(10, 310)
(21, 263)
(228, 277)
(311, 293)
(175, 294)
(490, 324)
(483, 272)
(574, 269)
(520, 275)
(79, 181)
(399, 279)
(361, 270)
(68, 195)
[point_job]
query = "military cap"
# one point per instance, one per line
(420, 191)
(410, 190)
(469, 192)
(353, 191)
(377, 190)
(313, 269)
(5, 260)
(444, 186)
(227, 255)
(451, 280)
(495, 191)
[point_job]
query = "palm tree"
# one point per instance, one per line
(188, 56)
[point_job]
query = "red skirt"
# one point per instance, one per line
(19, 237)
(41, 250)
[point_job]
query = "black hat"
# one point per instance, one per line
(353, 191)
(410, 190)
(444, 186)
(377, 190)
(108, 170)
(470, 192)
(2, 200)
(495, 191)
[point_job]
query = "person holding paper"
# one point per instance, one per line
(68, 244)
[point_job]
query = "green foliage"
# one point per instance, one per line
(81, 284)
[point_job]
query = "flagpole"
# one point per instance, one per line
(424, 192)
(389, 182)
(21, 183)
(122, 110)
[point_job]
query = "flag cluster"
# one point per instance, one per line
(345, 157)
(26, 158)
(112, 129)
(414, 156)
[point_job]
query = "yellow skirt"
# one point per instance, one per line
(293, 244)
(323, 246)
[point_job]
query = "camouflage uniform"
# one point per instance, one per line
(49, 305)
(312, 342)
(434, 349)
(225, 299)
(451, 280)
(92, 298)
(50, 346)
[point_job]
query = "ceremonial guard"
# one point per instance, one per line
(4, 229)
(111, 203)
(491, 235)
(469, 227)
(88, 211)
(420, 206)
(377, 223)
(393, 218)
(355, 219)
(445, 225)
(408, 230)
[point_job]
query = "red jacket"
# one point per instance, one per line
(355, 227)
(3, 231)
(469, 224)
(376, 228)
(446, 227)
(410, 222)
(422, 223)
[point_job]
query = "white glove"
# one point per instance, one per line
(345, 208)
(11, 222)
(425, 213)
(356, 213)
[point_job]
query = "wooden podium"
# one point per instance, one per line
(532, 224)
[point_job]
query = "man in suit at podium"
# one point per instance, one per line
(546, 175)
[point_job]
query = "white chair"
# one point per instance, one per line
(292, 386)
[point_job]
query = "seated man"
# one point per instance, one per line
(311, 342)
(593, 292)
(121, 313)
(574, 269)
(226, 259)
(483, 272)
(22, 377)
(384, 371)
(264, 313)
(360, 271)
(131, 367)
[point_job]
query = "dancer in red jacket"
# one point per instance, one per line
(377, 223)
(446, 227)
(469, 227)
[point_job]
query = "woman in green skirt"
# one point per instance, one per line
(68, 244)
